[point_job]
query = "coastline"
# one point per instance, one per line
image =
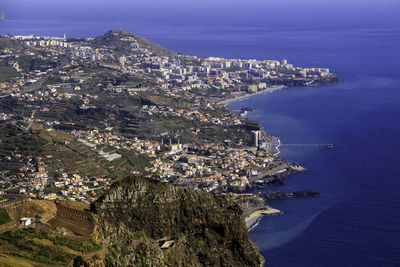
(278, 145)
(246, 95)
(274, 147)
(276, 142)
(253, 217)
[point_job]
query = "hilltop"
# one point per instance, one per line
(123, 42)
(138, 216)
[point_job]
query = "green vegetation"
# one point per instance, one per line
(30, 63)
(131, 127)
(9, 261)
(207, 230)
(73, 156)
(12, 105)
(78, 262)
(9, 43)
(26, 245)
(109, 149)
(253, 125)
(4, 217)
(7, 74)
(220, 134)
(174, 124)
(14, 140)
(84, 247)
(233, 69)
(112, 39)
(136, 160)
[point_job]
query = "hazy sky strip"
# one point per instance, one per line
(232, 11)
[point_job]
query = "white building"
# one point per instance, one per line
(25, 221)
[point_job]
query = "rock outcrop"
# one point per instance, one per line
(137, 216)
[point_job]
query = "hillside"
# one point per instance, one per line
(138, 222)
(61, 151)
(137, 216)
(121, 42)
(59, 235)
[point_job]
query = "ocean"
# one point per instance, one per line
(357, 220)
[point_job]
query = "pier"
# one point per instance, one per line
(309, 145)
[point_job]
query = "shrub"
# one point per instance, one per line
(4, 217)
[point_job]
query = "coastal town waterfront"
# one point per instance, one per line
(356, 193)
(175, 126)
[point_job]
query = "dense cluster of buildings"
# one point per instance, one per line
(185, 72)
(208, 167)
(33, 180)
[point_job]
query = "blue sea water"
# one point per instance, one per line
(357, 220)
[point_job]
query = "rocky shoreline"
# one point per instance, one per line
(253, 214)
(281, 195)
(274, 176)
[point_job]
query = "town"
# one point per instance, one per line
(78, 113)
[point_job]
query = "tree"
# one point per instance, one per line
(78, 262)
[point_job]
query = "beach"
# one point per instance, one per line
(273, 147)
(246, 95)
(252, 217)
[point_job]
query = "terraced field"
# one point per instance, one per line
(76, 222)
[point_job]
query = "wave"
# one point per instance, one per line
(255, 224)
(277, 147)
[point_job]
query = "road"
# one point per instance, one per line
(44, 78)
(33, 87)
(25, 129)
(12, 199)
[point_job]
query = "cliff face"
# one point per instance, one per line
(136, 216)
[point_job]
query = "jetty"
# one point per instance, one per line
(309, 145)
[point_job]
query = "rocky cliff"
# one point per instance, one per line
(145, 223)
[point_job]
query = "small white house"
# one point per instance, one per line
(25, 221)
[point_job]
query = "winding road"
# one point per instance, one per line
(12, 199)
(33, 87)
